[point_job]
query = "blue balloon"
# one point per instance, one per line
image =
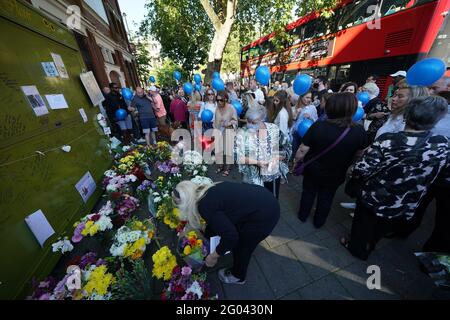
(207, 115)
(302, 84)
(426, 72)
(127, 94)
(304, 126)
(238, 106)
(152, 79)
(359, 114)
(198, 87)
(216, 75)
(218, 84)
(363, 97)
(197, 78)
(262, 75)
(177, 75)
(188, 88)
(121, 114)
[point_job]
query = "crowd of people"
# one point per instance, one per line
(394, 161)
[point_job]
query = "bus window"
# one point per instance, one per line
(359, 13)
(342, 74)
(392, 6)
(310, 29)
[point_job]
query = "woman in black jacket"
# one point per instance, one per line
(241, 214)
(323, 176)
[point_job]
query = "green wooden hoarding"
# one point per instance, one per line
(35, 173)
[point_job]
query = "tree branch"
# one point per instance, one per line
(231, 9)
(211, 14)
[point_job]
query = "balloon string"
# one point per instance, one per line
(43, 153)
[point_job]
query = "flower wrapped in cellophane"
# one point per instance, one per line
(94, 223)
(185, 285)
(163, 263)
(193, 248)
(132, 239)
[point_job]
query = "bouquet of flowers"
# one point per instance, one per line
(88, 279)
(163, 263)
(144, 189)
(168, 214)
(159, 153)
(91, 224)
(187, 286)
(168, 167)
(193, 249)
(202, 181)
(114, 182)
(131, 239)
(125, 206)
(193, 164)
(131, 162)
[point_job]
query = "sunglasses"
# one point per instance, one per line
(220, 100)
(116, 88)
(210, 94)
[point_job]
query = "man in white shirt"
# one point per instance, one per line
(259, 95)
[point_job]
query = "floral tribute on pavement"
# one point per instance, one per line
(139, 175)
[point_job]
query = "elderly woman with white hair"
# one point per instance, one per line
(262, 152)
(241, 214)
(376, 110)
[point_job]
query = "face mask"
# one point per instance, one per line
(252, 126)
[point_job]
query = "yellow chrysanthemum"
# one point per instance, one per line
(99, 281)
(163, 263)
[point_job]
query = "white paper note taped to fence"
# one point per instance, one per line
(39, 226)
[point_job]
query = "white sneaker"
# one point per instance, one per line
(226, 277)
(348, 205)
(141, 140)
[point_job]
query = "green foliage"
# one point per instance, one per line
(182, 28)
(142, 59)
(185, 31)
(133, 284)
(164, 74)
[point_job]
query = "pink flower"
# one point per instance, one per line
(186, 271)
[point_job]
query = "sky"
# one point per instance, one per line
(135, 11)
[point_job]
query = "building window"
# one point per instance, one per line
(98, 8)
(108, 55)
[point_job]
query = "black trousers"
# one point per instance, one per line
(368, 229)
(325, 196)
(249, 237)
(270, 186)
(440, 238)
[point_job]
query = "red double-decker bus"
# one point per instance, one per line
(362, 38)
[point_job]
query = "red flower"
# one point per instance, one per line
(176, 270)
(139, 173)
(95, 217)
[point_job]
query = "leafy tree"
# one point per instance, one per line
(141, 55)
(164, 75)
(192, 30)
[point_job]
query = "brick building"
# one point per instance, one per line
(101, 37)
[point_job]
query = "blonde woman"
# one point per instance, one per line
(241, 214)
